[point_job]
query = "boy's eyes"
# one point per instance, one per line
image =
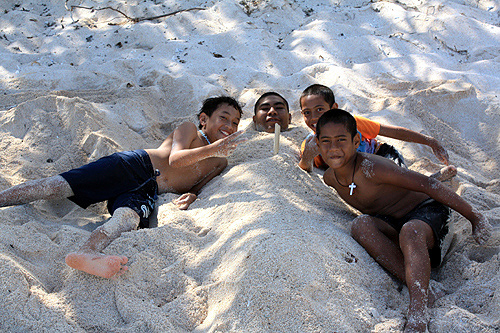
(325, 141)
(308, 113)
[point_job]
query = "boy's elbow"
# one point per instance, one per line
(223, 164)
(305, 166)
(174, 162)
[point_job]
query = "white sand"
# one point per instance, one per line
(266, 248)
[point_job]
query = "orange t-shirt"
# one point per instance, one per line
(368, 129)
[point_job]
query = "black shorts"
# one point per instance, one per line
(125, 179)
(391, 153)
(435, 214)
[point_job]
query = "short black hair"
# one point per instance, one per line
(270, 93)
(337, 116)
(211, 104)
(320, 90)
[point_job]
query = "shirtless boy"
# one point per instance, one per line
(130, 181)
(405, 213)
(271, 108)
(317, 98)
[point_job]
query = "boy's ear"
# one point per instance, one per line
(289, 117)
(356, 140)
(203, 119)
(335, 106)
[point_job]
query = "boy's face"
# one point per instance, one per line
(312, 107)
(223, 122)
(336, 145)
(271, 110)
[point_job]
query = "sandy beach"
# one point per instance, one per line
(266, 246)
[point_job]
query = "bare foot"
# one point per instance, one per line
(185, 200)
(417, 319)
(445, 173)
(481, 231)
(98, 264)
(416, 323)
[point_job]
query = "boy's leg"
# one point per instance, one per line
(416, 238)
(381, 242)
(55, 187)
(89, 257)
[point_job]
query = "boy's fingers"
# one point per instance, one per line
(240, 140)
(442, 155)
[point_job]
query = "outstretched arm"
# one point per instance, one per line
(404, 134)
(481, 229)
(182, 155)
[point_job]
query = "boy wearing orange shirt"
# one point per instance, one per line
(316, 99)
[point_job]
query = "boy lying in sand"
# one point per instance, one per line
(405, 213)
(317, 98)
(131, 180)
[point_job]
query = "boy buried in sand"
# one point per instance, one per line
(130, 181)
(404, 213)
(317, 98)
(271, 108)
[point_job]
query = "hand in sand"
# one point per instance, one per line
(185, 200)
(445, 173)
(440, 152)
(228, 144)
(481, 230)
(106, 266)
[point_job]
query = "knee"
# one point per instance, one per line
(415, 232)
(360, 226)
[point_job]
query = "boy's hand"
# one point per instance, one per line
(228, 144)
(185, 200)
(311, 149)
(440, 152)
(481, 230)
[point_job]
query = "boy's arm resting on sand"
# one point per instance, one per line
(188, 198)
(182, 155)
(411, 180)
(404, 134)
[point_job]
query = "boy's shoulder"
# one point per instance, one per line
(371, 163)
(187, 128)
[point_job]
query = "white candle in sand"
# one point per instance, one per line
(277, 129)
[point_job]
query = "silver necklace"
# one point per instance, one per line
(352, 186)
(205, 136)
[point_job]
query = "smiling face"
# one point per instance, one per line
(312, 107)
(271, 110)
(336, 144)
(223, 122)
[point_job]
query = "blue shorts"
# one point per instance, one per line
(435, 214)
(125, 179)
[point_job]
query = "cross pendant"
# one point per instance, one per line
(352, 187)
